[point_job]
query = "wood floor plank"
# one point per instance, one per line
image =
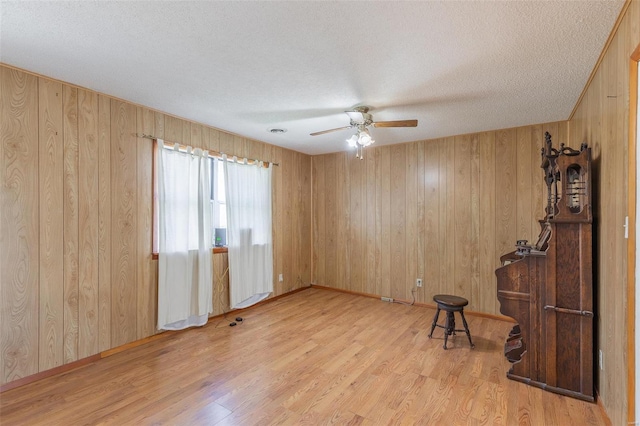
(314, 357)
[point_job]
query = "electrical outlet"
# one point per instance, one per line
(386, 299)
(600, 357)
(419, 282)
(280, 278)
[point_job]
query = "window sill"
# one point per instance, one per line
(216, 250)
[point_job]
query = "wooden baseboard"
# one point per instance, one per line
(339, 290)
(423, 305)
(136, 343)
(161, 335)
(48, 373)
(604, 412)
(269, 300)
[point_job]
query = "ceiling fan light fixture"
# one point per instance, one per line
(360, 119)
(353, 140)
(364, 138)
(359, 140)
(360, 115)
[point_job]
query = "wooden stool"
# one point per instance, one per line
(450, 304)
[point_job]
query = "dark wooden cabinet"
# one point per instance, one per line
(547, 287)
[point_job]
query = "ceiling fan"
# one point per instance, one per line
(360, 119)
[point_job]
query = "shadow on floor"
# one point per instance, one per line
(460, 342)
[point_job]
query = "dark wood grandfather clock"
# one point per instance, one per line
(547, 287)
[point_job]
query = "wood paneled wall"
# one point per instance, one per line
(76, 274)
(602, 120)
(442, 210)
(220, 293)
(76, 270)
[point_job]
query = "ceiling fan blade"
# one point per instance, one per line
(399, 123)
(329, 131)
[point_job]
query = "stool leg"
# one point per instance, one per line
(447, 327)
(452, 324)
(466, 329)
(435, 320)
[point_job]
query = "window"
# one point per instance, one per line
(218, 202)
(217, 199)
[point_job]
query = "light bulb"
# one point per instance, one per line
(352, 140)
(365, 139)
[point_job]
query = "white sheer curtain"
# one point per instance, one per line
(184, 232)
(249, 241)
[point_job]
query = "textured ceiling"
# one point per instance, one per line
(456, 66)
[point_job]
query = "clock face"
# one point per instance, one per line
(575, 188)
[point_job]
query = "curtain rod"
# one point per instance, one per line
(212, 153)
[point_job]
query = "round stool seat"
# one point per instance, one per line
(449, 301)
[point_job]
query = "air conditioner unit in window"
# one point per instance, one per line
(220, 237)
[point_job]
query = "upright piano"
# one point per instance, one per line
(547, 287)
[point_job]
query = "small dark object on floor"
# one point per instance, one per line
(233, 324)
(239, 319)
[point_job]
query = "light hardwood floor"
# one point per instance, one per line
(314, 357)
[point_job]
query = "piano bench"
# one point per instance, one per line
(450, 304)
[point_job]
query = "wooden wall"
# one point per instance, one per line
(76, 274)
(442, 210)
(602, 120)
(220, 295)
(76, 271)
